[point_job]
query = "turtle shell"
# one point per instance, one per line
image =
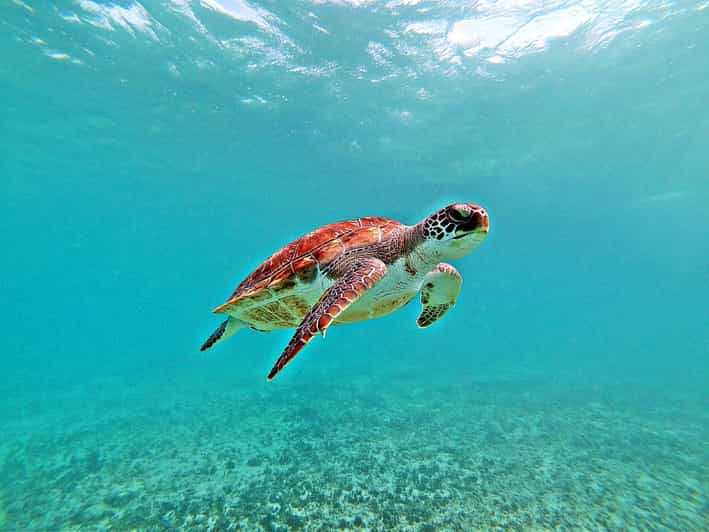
(298, 264)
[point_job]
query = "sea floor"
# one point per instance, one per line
(192, 450)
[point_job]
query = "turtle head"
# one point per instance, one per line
(456, 230)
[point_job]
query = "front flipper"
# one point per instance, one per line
(346, 290)
(439, 291)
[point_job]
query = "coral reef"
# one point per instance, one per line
(412, 454)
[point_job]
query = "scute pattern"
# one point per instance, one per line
(301, 259)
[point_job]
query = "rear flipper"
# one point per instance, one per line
(224, 331)
(440, 289)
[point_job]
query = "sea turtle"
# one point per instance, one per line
(352, 271)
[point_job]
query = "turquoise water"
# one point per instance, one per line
(153, 153)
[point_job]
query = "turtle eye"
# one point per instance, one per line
(459, 215)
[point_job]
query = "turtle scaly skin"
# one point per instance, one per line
(354, 270)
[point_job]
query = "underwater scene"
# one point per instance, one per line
(497, 210)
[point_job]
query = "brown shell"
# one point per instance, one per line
(299, 260)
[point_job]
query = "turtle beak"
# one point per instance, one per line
(478, 224)
(485, 222)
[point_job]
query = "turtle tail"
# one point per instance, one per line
(224, 331)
